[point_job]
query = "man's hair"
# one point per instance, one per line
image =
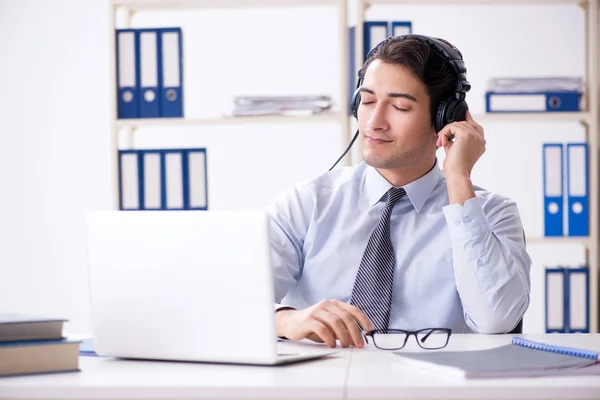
(435, 72)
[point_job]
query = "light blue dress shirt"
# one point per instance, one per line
(459, 267)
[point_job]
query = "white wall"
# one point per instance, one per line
(54, 118)
(53, 151)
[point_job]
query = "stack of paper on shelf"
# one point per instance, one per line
(540, 94)
(281, 105)
(30, 345)
(553, 84)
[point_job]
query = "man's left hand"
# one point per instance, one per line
(465, 150)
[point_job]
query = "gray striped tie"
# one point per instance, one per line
(372, 291)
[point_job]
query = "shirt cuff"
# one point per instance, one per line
(467, 221)
(283, 307)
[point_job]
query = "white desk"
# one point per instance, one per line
(108, 378)
(366, 373)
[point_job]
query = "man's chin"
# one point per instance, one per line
(378, 161)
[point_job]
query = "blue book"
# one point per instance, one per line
(18, 327)
(86, 348)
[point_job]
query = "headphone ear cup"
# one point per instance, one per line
(355, 103)
(458, 112)
(440, 116)
(449, 111)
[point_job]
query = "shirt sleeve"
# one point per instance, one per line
(491, 264)
(288, 224)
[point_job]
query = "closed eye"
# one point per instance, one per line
(400, 109)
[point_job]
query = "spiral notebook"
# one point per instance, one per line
(521, 358)
(571, 351)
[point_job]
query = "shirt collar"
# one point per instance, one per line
(418, 191)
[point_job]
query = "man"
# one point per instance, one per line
(393, 243)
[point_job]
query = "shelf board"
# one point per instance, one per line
(265, 120)
(533, 117)
(138, 5)
(585, 241)
(473, 2)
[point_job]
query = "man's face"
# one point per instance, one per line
(394, 117)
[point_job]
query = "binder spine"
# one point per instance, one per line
(375, 32)
(553, 189)
(148, 76)
(527, 102)
(577, 189)
(399, 28)
(170, 69)
(129, 179)
(555, 309)
(352, 73)
(127, 63)
(578, 296)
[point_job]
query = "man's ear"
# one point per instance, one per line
(434, 133)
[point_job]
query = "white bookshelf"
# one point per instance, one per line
(121, 13)
(474, 2)
(583, 117)
(585, 241)
(139, 5)
(588, 118)
(267, 120)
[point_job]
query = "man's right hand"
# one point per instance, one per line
(325, 322)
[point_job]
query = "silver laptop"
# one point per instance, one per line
(184, 285)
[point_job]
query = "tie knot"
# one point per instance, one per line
(394, 194)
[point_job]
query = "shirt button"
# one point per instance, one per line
(480, 262)
(468, 219)
(457, 222)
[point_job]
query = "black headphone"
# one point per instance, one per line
(450, 109)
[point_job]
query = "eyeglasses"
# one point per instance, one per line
(395, 339)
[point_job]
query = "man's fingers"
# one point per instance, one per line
(473, 123)
(350, 324)
(356, 313)
(443, 137)
(337, 325)
(447, 132)
(468, 116)
(323, 332)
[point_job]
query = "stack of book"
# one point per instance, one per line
(280, 105)
(31, 345)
